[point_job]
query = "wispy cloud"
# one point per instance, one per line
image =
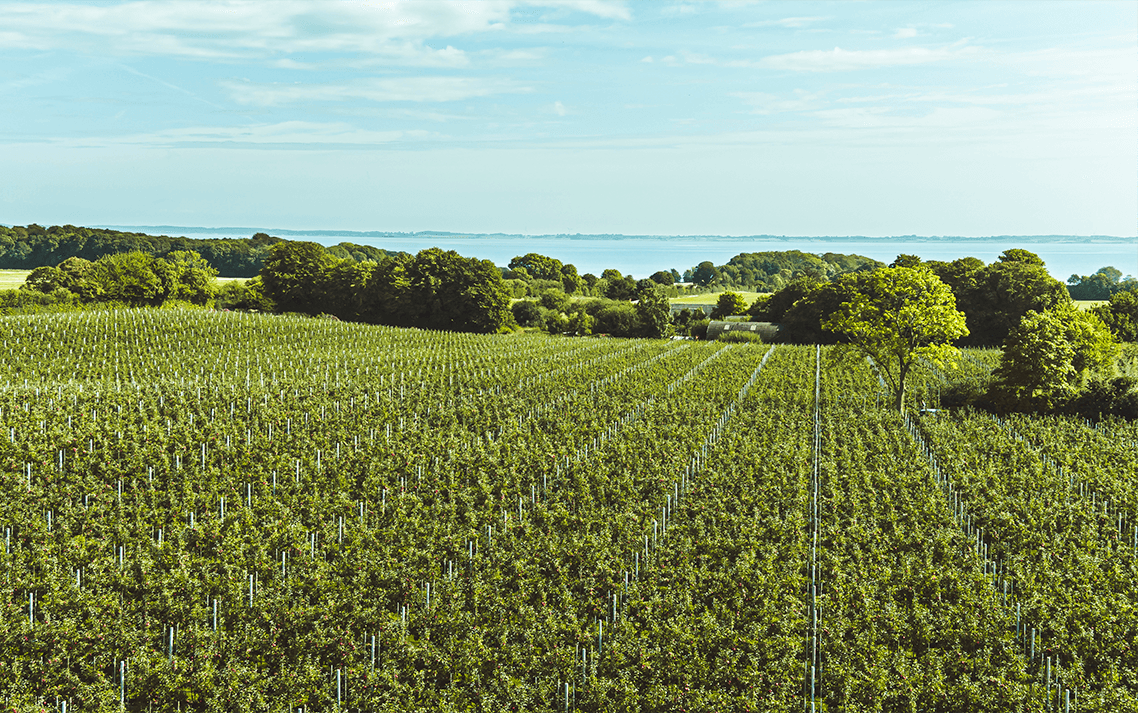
(765, 103)
(282, 134)
(401, 89)
(790, 22)
(240, 30)
(840, 60)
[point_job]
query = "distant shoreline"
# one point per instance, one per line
(171, 230)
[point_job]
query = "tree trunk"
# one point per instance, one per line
(899, 401)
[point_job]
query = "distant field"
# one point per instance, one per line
(12, 279)
(1088, 304)
(712, 298)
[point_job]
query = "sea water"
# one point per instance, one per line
(640, 256)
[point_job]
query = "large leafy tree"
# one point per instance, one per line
(538, 266)
(1003, 292)
(729, 303)
(897, 316)
(1120, 315)
(704, 273)
(448, 291)
(654, 312)
(128, 277)
(1050, 356)
(295, 274)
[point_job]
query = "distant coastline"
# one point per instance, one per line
(449, 235)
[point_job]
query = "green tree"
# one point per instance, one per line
(663, 277)
(128, 277)
(618, 287)
(1050, 356)
(526, 313)
(1001, 293)
(704, 273)
(1120, 315)
(1025, 257)
(896, 316)
(45, 279)
(448, 291)
(904, 260)
(187, 276)
(539, 267)
(730, 303)
(294, 276)
(654, 312)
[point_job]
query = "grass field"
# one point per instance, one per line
(12, 279)
(712, 298)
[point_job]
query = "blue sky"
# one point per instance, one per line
(590, 116)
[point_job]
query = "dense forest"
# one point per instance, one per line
(32, 246)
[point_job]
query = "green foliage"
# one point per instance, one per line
(906, 261)
(248, 296)
(618, 287)
(698, 329)
(1050, 356)
(654, 313)
(1019, 255)
(773, 308)
(538, 266)
(729, 303)
(131, 278)
(773, 270)
(740, 336)
(1003, 293)
(695, 509)
(704, 273)
(295, 276)
(527, 313)
(897, 316)
(617, 318)
(1102, 285)
(1120, 315)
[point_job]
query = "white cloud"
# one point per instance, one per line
(695, 58)
(904, 33)
(401, 89)
(838, 59)
(606, 9)
(245, 29)
(765, 103)
(647, 60)
(287, 133)
(559, 108)
(790, 22)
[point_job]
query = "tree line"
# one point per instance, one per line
(31, 246)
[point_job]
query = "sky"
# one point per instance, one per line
(573, 116)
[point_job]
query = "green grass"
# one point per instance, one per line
(1085, 305)
(711, 298)
(12, 279)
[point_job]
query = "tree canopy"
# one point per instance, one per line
(897, 316)
(1050, 356)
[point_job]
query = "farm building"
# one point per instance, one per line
(768, 331)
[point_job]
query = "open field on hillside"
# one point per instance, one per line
(712, 298)
(12, 279)
(221, 511)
